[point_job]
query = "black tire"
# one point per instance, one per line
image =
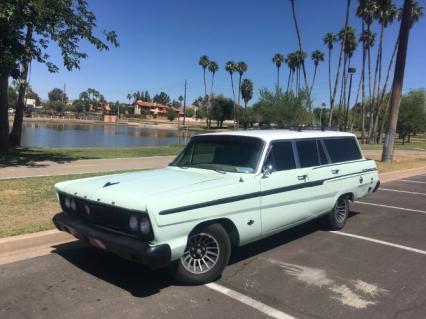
(200, 249)
(337, 217)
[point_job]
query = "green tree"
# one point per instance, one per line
(204, 63)
(189, 112)
(278, 59)
(162, 98)
(57, 94)
(412, 114)
(246, 91)
(221, 109)
(26, 30)
(171, 114)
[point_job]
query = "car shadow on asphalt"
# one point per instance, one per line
(282, 238)
(141, 281)
(135, 278)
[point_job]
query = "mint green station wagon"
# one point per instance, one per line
(224, 190)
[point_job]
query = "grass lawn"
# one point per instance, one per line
(417, 144)
(27, 205)
(27, 155)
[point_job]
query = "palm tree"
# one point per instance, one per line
(317, 56)
(329, 40)
(385, 13)
(417, 12)
(213, 68)
(299, 39)
(231, 67)
(246, 91)
(367, 38)
(278, 59)
(330, 116)
(398, 80)
(300, 57)
(204, 63)
(241, 69)
(129, 96)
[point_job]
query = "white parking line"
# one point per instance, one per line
(272, 312)
(393, 207)
(377, 241)
(410, 181)
(400, 191)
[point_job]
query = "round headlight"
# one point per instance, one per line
(73, 205)
(67, 202)
(133, 223)
(144, 226)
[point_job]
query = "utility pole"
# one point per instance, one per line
(398, 81)
(184, 104)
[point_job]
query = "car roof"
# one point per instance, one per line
(271, 135)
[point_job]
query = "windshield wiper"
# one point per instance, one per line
(221, 171)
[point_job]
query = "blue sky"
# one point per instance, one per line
(161, 41)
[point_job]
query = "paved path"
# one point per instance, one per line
(84, 166)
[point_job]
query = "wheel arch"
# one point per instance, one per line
(226, 223)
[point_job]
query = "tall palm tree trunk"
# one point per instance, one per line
(364, 54)
(4, 116)
(340, 62)
(288, 81)
(398, 80)
(278, 78)
(377, 131)
(313, 79)
(233, 95)
(342, 102)
(15, 135)
(329, 73)
(299, 39)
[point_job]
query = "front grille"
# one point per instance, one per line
(106, 216)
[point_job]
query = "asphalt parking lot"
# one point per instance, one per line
(374, 268)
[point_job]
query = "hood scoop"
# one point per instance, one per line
(110, 184)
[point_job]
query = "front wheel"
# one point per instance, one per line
(205, 257)
(339, 214)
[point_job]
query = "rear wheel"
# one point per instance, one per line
(338, 216)
(205, 257)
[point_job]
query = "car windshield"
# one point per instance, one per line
(222, 153)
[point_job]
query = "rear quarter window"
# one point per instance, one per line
(342, 149)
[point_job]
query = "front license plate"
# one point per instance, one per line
(97, 243)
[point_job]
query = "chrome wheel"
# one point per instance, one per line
(201, 253)
(341, 210)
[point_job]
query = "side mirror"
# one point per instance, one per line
(267, 171)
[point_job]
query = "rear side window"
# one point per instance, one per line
(308, 153)
(342, 149)
(321, 152)
(282, 156)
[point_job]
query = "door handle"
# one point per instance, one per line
(302, 177)
(335, 171)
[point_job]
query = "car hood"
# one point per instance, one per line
(133, 189)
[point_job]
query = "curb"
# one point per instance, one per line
(392, 176)
(15, 244)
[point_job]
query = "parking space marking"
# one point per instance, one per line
(393, 207)
(377, 241)
(411, 181)
(272, 312)
(400, 191)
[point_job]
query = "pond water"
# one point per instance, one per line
(96, 135)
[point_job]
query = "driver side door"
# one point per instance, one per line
(283, 189)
